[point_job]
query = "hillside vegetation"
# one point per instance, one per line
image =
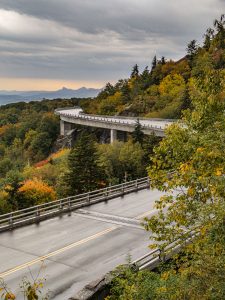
(164, 90)
(195, 153)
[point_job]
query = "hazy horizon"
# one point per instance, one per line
(44, 85)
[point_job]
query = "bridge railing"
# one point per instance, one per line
(148, 261)
(114, 120)
(157, 256)
(44, 211)
(59, 111)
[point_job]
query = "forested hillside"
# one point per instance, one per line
(163, 90)
(195, 153)
(30, 173)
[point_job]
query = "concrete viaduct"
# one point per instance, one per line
(75, 115)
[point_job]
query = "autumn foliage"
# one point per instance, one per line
(35, 191)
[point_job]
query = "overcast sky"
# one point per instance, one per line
(47, 44)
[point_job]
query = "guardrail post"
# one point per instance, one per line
(122, 190)
(161, 255)
(136, 185)
(69, 204)
(11, 220)
(37, 213)
(148, 183)
(60, 205)
(106, 193)
(134, 267)
(88, 198)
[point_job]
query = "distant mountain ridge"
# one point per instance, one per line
(17, 96)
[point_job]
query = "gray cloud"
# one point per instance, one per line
(100, 39)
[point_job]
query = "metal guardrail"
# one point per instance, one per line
(58, 112)
(48, 210)
(115, 121)
(152, 259)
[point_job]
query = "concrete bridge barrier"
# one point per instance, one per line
(69, 116)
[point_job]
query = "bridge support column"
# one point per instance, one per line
(113, 135)
(64, 127)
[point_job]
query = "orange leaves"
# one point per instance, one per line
(41, 163)
(60, 153)
(36, 185)
(36, 192)
(10, 296)
(4, 128)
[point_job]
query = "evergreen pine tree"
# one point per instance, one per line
(145, 78)
(220, 31)
(163, 60)
(84, 174)
(191, 50)
(208, 38)
(138, 134)
(125, 90)
(145, 73)
(154, 62)
(135, 71)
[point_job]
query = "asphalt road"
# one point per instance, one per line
(77, 112)
(74, 250)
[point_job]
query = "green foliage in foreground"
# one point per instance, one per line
(194, 197)
(198, 273)
(30, 289)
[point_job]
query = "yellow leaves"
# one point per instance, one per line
(41, 285)
(153, 246)
(200, 149)
(218, 171)
(203, 230)
(161, 289)
(184, 167)
(165, 275)
(3, 193)
(38, 284)
(191, 192)
(60, 153)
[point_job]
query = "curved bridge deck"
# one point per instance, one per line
(79, 248)
(113, 123)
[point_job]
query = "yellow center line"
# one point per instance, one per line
(73, 245)
(41, 258)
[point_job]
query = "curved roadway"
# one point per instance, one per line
(74, 250)
(78, 113)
